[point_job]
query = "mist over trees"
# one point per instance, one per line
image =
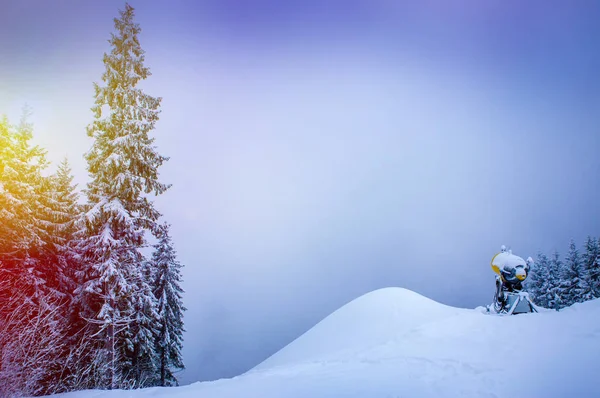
(81, 306)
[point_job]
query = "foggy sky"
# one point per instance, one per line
(320, 150)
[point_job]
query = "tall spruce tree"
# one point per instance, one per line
(572, 286)
(123, 165)
(168, 292)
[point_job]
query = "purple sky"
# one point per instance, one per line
(320, 150)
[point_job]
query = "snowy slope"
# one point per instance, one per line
(396, 343)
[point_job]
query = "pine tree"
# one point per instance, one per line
(59, 212)
(143, 329)
(572, 284)
(19, 202)
(22, 232)
(63, 211)
(554, 292)
(123, 165)
(591, 268)
(168, 292)
(31, 320)
(66, 212)
(538, 283)
(67, 196)
(17, 238)
(50, 259)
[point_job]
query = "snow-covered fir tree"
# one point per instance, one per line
(21, 206)
(537, 283)
(143, 372)
(66, 200)
(591, 268)
(62, 199)
(167, 289)
(572, 286)
(59, 212)
(552, 289)
(32, 288)
(123, 164)
(66, 211)
(20, 175)
(52, 259)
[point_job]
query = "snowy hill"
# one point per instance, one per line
(396, 343)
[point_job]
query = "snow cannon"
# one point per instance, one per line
(512, 269)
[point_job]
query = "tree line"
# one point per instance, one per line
(556, 283)
(81, 306)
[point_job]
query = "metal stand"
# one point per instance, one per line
(512, 302)
(519, 303)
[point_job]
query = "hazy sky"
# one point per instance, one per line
(320, 150)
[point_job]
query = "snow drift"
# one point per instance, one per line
(397, 343)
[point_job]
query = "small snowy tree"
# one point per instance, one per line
(167, 289)
(591, 268)
(66, 213)
(123, 164)
(554, 293)
(572, 285)
(537, 283)
(67, 196)
(143, 329)
(57, 215)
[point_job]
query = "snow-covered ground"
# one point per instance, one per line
(395, 343)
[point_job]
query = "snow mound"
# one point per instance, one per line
(374, 318)
(396, 343)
